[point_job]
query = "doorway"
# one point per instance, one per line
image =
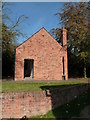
(28, 68)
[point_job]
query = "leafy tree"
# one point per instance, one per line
(10, 34)
(74, 17)
(0, 42)
(7, 51)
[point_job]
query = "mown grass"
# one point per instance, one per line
(69, 110)
(12, 86)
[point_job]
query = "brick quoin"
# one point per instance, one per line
(48, 58)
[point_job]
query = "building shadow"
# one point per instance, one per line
(65, 103)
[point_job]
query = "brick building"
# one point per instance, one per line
(41, 57)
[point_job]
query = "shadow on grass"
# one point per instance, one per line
(68, 109)
(51, 87)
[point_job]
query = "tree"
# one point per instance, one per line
(74, 17)
(0, 43)
(10, 34)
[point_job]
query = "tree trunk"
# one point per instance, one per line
(85, 76)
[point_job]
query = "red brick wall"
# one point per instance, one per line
(47, 54)
(19, 104)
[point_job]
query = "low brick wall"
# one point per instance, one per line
(18, 104)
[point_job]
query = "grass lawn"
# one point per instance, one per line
(72, 109)
(12, 86)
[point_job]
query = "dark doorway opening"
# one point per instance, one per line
(28, 68)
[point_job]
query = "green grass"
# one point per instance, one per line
(68, 110)
(12, 86)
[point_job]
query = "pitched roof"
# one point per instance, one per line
(37, 33)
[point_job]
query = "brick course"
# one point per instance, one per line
(47, 54)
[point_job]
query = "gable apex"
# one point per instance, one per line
(43, 28)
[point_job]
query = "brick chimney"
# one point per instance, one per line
(64, 37)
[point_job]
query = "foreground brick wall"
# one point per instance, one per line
(16, 105)
(47, 54)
